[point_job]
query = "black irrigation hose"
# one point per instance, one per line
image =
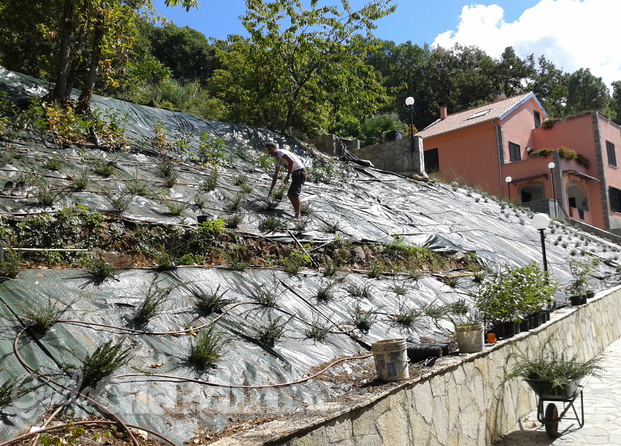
(233, 386)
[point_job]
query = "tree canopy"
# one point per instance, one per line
(307, 67)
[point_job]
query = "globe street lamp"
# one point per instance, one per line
(551, 166)
(541, 222)
(409, 101)
(508, 181)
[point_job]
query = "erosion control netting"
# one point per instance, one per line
(159, 389)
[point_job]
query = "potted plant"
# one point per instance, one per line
(551, 374)
(468, 327)
(507, 297)
(581, 272)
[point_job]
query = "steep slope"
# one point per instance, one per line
(284, 319)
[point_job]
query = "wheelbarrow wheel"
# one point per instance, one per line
(551, 420)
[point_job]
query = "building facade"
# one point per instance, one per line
(509, 148)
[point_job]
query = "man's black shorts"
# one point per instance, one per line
(298, 178)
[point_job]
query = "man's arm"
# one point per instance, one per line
(274, 179)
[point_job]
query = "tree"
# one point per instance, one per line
(89, 38)
(550, 85)
(586, 92)
(615, 103)
(185, 51)
(301, 69)
(512, 72)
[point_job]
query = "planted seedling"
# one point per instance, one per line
(209, 347)
(166, 170)
(103, 362)
(208, 302)
(271, 332)
(317, 331)
(325, 292)
(363, 320)
(39, 319)
(271, 224)
(100, 270)
(151, 304)
(360, 290)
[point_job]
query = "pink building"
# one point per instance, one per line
(499, 148)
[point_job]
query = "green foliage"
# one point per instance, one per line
(151, 304)
(100, 270)
(271, 224)
(373, 128)
(235, 203)
(40, 318)
(176, 208)
(317, 331)
(103, 362)
(211, 149)
(118, 199)
(209, 347)
(550, 365)
(272, 332)
(13, 389)
(9, 266)
(265, 295)
(211, 229)
(362, 319)
(514, 293)
(581, 273)
(325, 53)
(166, 170)
(104, 168)
(46, 193)
(73, 227)
(295, 261)
(208, 302)
(211, 181)
(329, 171)
(325, 292)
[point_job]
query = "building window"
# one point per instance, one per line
(537, 116)
(615, 199)
(432, 162)
(610, 151)
(514, 152)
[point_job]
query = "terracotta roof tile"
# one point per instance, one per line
(474, 116)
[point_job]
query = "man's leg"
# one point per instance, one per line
(297, 204)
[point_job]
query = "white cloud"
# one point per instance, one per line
(572, 34)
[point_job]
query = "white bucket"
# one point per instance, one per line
(470, 338)
(391, 359)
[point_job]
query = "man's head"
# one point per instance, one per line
(271, 148)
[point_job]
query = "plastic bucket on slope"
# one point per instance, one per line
(391, 359)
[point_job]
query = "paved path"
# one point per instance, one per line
(602, 413)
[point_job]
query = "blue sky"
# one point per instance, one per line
(572, 34)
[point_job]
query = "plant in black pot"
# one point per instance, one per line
(551, 374)
(578, 287)
(507, 297)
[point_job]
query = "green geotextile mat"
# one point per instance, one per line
(367, 206)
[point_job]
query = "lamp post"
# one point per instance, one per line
(409, 101)
(541, 222)
(508, 181)
(551, 166)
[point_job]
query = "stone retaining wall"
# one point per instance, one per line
(394, 156)
(468, 403)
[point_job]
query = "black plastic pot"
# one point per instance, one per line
(511, 329)
(525, 324)
(578, 300)
(535, 320)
